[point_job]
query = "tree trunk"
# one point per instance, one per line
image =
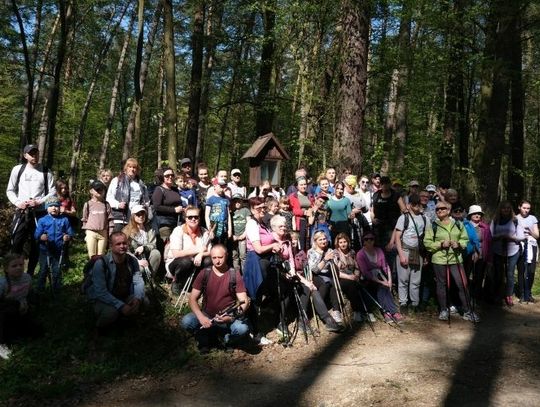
(197, 47)
(79, 136)
(142, 72)
(264, 114)
(65, 22)
(26, 126)
(495, 92)
(352, 89)
(114, 96)
(161, 127)
(515, 181)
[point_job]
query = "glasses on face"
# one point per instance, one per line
(260, 208)
(140, 214)
(369, 239)
(236, 175)
(440, 208)
(192, 217)
(168, 175)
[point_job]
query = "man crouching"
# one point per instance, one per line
(223, 307)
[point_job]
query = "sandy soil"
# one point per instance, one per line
(493, 363)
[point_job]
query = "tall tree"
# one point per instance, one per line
(170, 80)
(264, 104)
(65, 11)
(355, 23)
(197, 48)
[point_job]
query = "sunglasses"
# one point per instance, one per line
(440, 208)
(193, 217)
(168, 175)
(236, 175)
(260, 208)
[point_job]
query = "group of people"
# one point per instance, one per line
(299, 252)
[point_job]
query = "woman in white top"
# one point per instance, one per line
(527, 262)
(188, 250)
(507, 235)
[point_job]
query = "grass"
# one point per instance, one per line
(62, 364)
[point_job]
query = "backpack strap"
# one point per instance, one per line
(19, 175)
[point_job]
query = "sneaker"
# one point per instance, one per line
(398, 317)
(357, 316)
(471, 316)
(337, 316)
(264, 341)
(509, 301)
(453, 310)
(370, 317)
(388, 318)
(531, 300)
(444, 315)
(5, 352)
(331, 325)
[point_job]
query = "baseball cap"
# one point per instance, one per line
(431, 188)
(184, 161)
(414, 183)
(138, 208)
(98, 186)
(30, 147)
(236, 171)
(52, 201)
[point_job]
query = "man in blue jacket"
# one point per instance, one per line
(117, 286)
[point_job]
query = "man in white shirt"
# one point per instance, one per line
(29, 186)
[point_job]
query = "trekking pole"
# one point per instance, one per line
(341, 299)
(309, 277)
(448, 287)
(303, 316)
(182, 298)
(382, 309)
(284, 326)
(463, 278)
(364, 306)
(18, 216)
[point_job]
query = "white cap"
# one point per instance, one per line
(138, 208)
(235, 170)
(431, 188)
(474, 209)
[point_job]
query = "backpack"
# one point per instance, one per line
(421, 247)
(45, 171)
(434, 226)
(87, 271)
(232, 283)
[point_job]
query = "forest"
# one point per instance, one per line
(438, 90)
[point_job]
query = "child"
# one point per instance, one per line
(187, 194)
(52, 231)
(240, 215)
(14, 288)
(217, 214)
(318, 218)
(272, 208)
(97, 220)
(285, 211)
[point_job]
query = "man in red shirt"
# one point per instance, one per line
(221, 289)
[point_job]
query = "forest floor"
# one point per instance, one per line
(428, 363)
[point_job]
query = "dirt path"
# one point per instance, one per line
(496, 362)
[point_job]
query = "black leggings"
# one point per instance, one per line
(327, 290)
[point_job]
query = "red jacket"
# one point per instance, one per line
(296, 209)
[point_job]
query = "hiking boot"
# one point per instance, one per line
(357, 316)
(444, 315)
(331, 325)
(471, 316)
(337, 316)
(5, 352)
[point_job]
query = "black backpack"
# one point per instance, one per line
(232, 282)
(87, 271)
(45, 171)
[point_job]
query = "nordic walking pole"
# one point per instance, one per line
(448, 287)
(341, 299)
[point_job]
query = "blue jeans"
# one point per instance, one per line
(49, 263)
(499, 264)
(232, 332)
